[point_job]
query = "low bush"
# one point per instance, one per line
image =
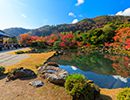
(124, 94)
(38, 45)
(20, 52)
(2, 70)
(81, 88)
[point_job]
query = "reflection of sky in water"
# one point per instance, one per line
(120, 78)
(104, 81)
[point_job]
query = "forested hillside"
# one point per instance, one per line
(83, 25)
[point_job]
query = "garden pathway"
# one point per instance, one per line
(7, 59)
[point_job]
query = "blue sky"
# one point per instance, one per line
(36, 13)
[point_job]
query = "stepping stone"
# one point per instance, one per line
(36, 83)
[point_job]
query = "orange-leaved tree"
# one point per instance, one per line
(122, 38)
(25, 39)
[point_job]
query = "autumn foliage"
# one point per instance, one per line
(122, 38)
(61, 40)
(24, 39)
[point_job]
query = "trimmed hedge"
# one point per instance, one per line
(80, 88)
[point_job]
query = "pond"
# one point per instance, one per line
(107, 71)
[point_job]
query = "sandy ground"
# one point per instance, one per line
(110, 94)
(7, 59)
(21, 90)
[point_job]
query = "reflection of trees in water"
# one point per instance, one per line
(88, 62)
(121, 64)
(96, 62)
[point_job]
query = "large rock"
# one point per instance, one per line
(54, 74)
(51, 64)
(20, 73)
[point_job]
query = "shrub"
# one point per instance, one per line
(2, 69)
(38, 44)
(56, 45)
(20, 52)
(81, 88)
(124, 94)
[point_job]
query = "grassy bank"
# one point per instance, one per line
(35, 59)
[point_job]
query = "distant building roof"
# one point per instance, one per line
(3, 34)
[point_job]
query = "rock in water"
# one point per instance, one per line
(54, 74)
(36, 83)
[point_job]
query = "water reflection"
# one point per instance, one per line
(104, 81)
(96, 62)
(121, 64)
(108, 71)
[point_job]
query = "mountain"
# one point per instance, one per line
(16, 31)
(83, 25)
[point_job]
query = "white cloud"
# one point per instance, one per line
(79, 2)
(72, 14)
(74, 21)
(126, 12)
(23, 15)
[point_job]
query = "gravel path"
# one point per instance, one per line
(7, 59)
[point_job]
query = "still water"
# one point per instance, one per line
(107, 71)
